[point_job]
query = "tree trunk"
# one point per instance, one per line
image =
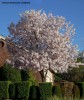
(43, 76)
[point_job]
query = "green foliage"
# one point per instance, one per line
(79, 59)
(82, 60)
(81, 88)
(79, 84)
(67, 88)
(81, 68)
(73, 75)
(4, 89)
(56, 91)
(76, 92)
(57, 78)
(28, 76)
(76, 74)
(23, 89)
(45, 90)
(34, 93)
(12, 91)
(7, 73)
(24, 75)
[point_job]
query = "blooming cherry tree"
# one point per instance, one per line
(42, 42)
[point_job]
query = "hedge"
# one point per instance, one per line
(57, 78)
(24, 75)
(34, 93)
(4, 89)
(23, 89)
(67, 88)
(12, 91)
(28, 75)
(81, 88)
(45, 90)
(76, 93)
(7, 73)
(56, 91)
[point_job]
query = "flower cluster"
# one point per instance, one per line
(41, 41)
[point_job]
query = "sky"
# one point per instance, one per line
(72, 10)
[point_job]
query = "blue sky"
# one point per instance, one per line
(72, 10)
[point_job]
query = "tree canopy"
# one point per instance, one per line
(40, 41)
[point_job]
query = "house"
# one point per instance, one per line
(49, 76)
(3, 51)
(2, 42)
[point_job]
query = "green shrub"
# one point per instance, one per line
(81, 88)
(4, 89)
(67, 89)
(76, 92)
(82, 73)
(24, 75)
(79, 84)
(34, 93)
(23, 89)
(74, 74)
(28, 75)
(45, 90)
(57, 78)
(7, 73)
(79, 59)
(56, 91)
(12, 91)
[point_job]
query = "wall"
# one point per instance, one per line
(49, 77)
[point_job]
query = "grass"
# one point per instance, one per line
(65, 98)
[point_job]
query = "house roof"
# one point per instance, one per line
(52, 71)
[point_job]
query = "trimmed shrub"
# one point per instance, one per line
(34, 93)
(12, 91)
(79, 84)
(4, 87)
(76, 93)
(57, 78)
(45, 90)
(24, 75)
(23, 89)
(7, 73)
(28, 76)
(67, 89)
(81, 88)
(56, 91)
